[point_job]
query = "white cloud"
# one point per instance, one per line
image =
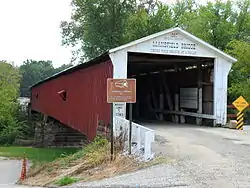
(30, 30)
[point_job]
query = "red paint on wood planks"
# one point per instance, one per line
(85, 102)
(231, 115)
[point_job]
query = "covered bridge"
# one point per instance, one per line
(179, 78)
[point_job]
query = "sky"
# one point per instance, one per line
(30, 29)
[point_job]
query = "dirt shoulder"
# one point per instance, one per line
(89, 164)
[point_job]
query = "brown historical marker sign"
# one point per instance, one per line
(121, 90)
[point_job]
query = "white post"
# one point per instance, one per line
(138, 135)
(147, 146)
(183, 120)
(199, 120)
(199, 84)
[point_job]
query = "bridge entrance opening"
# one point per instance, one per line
(172, 88)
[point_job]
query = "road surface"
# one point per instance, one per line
(203, 157)
(10, 171)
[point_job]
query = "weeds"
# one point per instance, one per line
(66, 181)
(92, 151)
(91, 163)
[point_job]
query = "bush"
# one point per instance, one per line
(9, 90)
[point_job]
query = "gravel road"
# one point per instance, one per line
(203, 158)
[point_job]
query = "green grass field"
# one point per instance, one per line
(36, 154)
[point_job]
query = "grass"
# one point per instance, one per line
(94, 151)
(36, 154)
(64, 169)
(88, 164)
(66, 181)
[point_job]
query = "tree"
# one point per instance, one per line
(35, 71)
(243, 20)
(62, 67)
(213, 22)
(97, 25)
(180, 8)
(143, 23)
(148, 5)
(9, 90)
(239, 78)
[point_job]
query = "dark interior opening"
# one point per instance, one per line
(164, 83)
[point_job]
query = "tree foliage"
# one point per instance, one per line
(212, 22)
(243, 20)
(141, 23)
(97, 25)
(240, 74)
(35, 71)
(9, 91)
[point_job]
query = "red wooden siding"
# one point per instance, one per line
(85, 101)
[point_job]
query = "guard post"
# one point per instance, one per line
(240, 120)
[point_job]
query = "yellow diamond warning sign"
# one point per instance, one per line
(240, 104)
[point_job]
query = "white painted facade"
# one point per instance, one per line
(178, 42)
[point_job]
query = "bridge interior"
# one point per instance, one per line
(172, 88)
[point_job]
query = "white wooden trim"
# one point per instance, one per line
(189, 35)
(142, 40)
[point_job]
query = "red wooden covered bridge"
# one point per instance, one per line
(179, 78)
(76, 96)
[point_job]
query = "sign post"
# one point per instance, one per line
(112, 133)
(240, 104)
(121, 90)
(130, 126)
